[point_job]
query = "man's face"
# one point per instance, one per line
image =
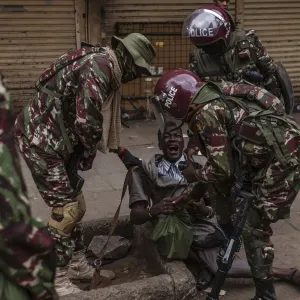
(172, 144)
(222, 4)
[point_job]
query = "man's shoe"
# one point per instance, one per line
(79, 268)
(63, 285)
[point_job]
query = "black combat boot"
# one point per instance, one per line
(265, 289)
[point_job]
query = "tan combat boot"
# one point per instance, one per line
(79, 269)
(63, 285)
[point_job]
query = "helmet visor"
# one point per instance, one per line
(203, 23)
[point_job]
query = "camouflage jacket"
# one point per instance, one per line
(85, 81)
(251, 55)
(215, 125)
(26, 251)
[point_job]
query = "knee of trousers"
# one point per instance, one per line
(260, 253)
(64, 219)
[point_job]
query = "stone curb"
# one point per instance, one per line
(176, 284)
(158, 288)
(183, 281)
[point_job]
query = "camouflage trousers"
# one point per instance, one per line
(52, 181)
(256, 234)
(219, 195)
(66, 245)
(258, 246)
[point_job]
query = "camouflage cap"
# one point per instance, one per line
(139, 47)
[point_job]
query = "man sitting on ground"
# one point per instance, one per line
(150, 186)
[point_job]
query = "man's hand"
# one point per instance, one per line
(86, 161)
(198, 208)
(189, 173)
(164, 207)
(192, 147)
(182, 200)
(126, 157)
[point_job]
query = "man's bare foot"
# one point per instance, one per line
(295, 276)
(289, 274)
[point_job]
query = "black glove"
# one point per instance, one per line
(85, 160)
(128, 159)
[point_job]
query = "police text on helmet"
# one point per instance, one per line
(170, 97)
(201, 32)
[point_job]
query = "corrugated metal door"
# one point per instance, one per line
(32, 35)
(150, 11)
(277, 24)
(172, 49)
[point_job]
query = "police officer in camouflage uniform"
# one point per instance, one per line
(224, 51)
(267, 150)
(65, 120)
(27, 266)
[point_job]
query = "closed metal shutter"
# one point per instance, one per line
(277, 24)
(151, 18)
(32, 35)
(150, 11)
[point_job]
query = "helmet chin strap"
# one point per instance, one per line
(175, 128)
(162, 117)
(171, 129)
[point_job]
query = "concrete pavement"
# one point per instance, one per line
(103, 183)
(102, 191)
